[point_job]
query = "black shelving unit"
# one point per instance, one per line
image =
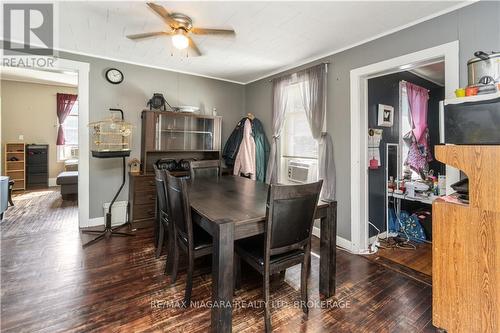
(37, 166)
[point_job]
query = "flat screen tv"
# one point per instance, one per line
(472, 123)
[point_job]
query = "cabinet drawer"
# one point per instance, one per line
(144, 211)
(145, 197)
(145, 183)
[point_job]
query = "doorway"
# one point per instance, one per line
(403, 175)
(78, 74)
(447, 53)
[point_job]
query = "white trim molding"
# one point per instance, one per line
(53, 182)
(83, 69)
(345, 244)
(359, 123)
(341, 242)
(95, 222)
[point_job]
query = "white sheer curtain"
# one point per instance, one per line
(280, 100)
(312, 83)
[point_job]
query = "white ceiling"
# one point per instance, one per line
(23, 74)
(270, 36)
(433, 72)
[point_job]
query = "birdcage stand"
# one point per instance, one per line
(108, 230)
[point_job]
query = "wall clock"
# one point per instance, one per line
(114, 76)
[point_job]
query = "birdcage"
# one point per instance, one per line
(111, 137)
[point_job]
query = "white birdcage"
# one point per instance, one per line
(111, 137)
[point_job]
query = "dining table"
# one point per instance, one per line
(232, 208)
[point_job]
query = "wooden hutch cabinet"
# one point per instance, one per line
(169, 136)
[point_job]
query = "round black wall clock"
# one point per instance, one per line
(114, 76)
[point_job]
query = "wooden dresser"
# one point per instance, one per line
(142, 199)
(466, 245)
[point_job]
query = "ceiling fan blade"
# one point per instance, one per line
(193, 47)
(147, 35)
(203, 31)
(160, 10)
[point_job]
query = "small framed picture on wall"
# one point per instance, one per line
(385, 115)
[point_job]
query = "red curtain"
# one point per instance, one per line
(65, 103)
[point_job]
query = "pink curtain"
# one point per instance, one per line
(65, 103)
(417, 100)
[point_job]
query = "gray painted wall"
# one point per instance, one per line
(132, 94)
(477, 27)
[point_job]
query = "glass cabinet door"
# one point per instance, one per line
(185, 133)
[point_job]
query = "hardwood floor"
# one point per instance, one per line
(39, 211)
(418, 259)
(50, 284)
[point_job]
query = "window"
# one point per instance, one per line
(70, 127)
(297, 138)
(297, 143)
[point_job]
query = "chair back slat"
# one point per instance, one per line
(161, 193)
(205, 169)
(179, 206)
(290, 216)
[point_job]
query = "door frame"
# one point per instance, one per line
(82, 69)
(449, 53)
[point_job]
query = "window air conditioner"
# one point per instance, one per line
(302, 171)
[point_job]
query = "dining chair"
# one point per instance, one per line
(162, 223)
(205, 169)
(286, 241)
(188, 236)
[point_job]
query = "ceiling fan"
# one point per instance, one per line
(181, 26)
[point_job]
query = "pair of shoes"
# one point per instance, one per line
(13, 158)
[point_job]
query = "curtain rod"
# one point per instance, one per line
(324, 63)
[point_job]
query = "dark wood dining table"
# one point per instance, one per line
(233, 208)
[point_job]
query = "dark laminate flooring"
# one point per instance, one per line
(50, 284)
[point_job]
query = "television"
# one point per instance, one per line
(475, 121)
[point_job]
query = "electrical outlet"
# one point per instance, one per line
(21, 137)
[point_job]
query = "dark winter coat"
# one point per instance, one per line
(233, 144)
(261, 149)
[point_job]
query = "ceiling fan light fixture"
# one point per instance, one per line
(179, 40)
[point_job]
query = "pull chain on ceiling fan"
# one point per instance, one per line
(181, 27)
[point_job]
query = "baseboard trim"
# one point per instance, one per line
(100, 221)
(345, 244)
(53, 182)
(95, 222)
(341, 242)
